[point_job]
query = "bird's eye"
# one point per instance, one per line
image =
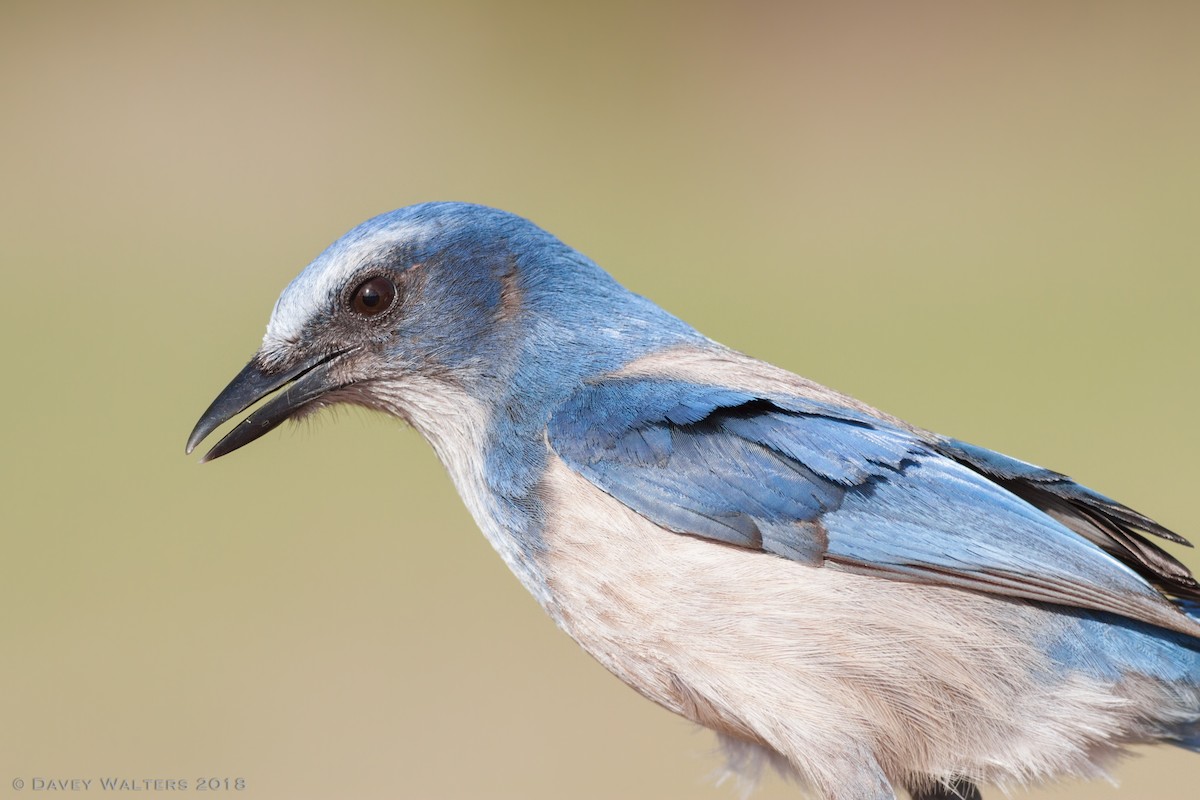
(373, 296)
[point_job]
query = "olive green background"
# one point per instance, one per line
(982, 218)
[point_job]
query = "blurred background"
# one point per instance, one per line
(982, 218)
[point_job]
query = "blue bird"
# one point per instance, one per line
(864, 605)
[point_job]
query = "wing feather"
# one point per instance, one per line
(824, 485)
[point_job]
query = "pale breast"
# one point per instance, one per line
(813, 662)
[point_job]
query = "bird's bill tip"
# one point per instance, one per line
(309, 379)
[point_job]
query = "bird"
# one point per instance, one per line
(866, 606)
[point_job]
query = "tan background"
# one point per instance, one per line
(981, 219)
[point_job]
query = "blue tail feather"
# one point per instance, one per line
(1113, 649)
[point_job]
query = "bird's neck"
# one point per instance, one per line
(489, 431)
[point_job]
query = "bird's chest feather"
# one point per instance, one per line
(805, 660)
(494, 487)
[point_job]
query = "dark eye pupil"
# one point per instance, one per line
(373, 296)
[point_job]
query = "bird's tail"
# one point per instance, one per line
(1190, 607)
(1164, 666)
(1188, 734)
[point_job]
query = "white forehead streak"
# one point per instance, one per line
(312, 291)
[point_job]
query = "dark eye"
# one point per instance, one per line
(373, 296)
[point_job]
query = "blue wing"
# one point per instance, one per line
(1100, 519)
(821, 484)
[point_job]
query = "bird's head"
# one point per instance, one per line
(440, 296)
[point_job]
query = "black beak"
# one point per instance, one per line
(309, 380)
